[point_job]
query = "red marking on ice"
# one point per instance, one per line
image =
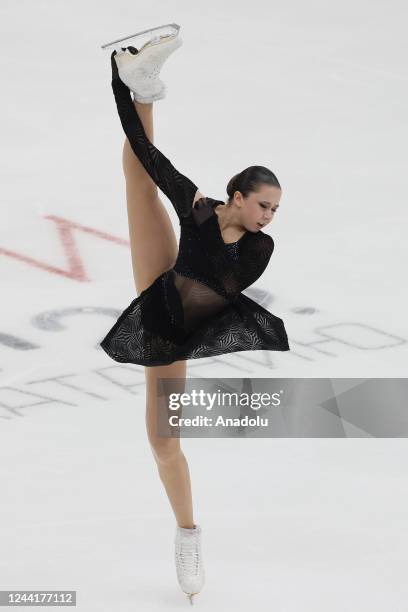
(65, 227)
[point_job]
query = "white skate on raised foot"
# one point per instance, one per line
(139, 68)
(189, 560)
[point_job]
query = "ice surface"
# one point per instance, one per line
(317, 92)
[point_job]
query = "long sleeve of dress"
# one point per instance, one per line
(176, 186)
(240, 274)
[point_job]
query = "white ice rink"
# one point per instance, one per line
(316, 91)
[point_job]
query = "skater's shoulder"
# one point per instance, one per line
(201, 201)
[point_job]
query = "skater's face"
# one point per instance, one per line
(259, 207)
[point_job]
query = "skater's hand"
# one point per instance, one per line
(115, 73)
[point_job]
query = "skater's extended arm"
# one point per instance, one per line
(178, 188)
(255, 259)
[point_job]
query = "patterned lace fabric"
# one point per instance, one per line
(233, 250)
(197, 308)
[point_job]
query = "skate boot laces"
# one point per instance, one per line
(188, 555)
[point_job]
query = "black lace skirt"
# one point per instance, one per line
(151, 331)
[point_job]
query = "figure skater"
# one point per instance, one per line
(190, 303)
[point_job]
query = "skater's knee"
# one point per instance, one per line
(165, 450)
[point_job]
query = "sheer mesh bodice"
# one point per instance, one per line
(197, 308)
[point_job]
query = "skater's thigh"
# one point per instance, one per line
(153, 241)
(157, 403)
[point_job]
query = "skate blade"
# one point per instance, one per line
(166, 30)
(158, 40)
(190, 597)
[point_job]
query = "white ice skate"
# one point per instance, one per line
(189, 560)
(139, 68)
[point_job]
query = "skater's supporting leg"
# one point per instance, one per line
(171, 461)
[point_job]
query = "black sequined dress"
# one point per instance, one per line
(197, 308)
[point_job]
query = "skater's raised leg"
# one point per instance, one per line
(153, 240)
(152, 237)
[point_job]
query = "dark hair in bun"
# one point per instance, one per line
(251, 179)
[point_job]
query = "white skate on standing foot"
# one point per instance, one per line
(189, 560)
(139, 68)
